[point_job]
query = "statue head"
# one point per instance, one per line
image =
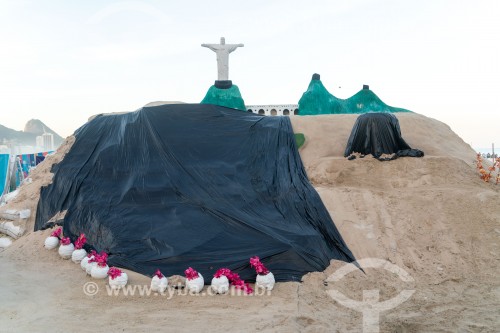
(222, 41)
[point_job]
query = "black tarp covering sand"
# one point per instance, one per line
(378, 134)
(204, 186)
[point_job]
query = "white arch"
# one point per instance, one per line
(280, 108)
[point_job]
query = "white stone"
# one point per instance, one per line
(98, 272)
(159, 285)
(78, 255)
(265, 281)
(195, 285)
(220, 285)
(119, 281)
(85, 261)
(89, 267)
(51, 242)
(65, 251)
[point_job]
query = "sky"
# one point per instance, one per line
(64, 61)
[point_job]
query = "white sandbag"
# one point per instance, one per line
(5, 242)
(9, 214)
(195, 285)
(119, 281)
(265, 281)
(98, 272)
(159, 284)
(11, 195)
(65, 251)
(220, 285)
(51, 242)
(11, 230)
(24, 214)
(78, 255)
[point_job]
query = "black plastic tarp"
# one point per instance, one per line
(378, 134)
(204, 186)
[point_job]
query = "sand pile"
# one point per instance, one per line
(29, 191)
(431, 216)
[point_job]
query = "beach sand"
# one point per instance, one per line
(432, 217)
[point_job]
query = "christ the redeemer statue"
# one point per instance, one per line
(222, 50)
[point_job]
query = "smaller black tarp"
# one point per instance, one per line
(378, 134)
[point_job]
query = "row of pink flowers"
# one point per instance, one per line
(100, 258)
(114, 273)
(259, 267)
(56, 233)
(158, 274)
(233, 277)
(190, 273)
(79, 243)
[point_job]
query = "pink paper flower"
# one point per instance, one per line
(80, 241)
(240, 284)
(101, 259)
(191, 273)
(92, 253)
(234, 279)
(65, 241)
(259, 267)
(57, 232)
(222, 271)
(114, 272)
(158, 274)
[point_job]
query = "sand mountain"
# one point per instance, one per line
(431, 216)
(32, 129)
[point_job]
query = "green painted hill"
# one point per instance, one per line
(317, 100)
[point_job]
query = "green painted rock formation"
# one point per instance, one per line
(317, 100)
(230, 97)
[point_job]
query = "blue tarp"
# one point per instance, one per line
(4, 166)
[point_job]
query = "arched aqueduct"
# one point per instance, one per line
(274, 110)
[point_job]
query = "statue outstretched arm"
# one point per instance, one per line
(210, 46)
(234, 47)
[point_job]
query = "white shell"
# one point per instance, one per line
(265, 281)
(78, 255)
(158, 284)
(220, 285)
(195, 285)
(65, 251)
(85, 261)
(119, 281)
(51, 242)
(98, 272)
(89, 267)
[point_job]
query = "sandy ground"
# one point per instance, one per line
(432, 217)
